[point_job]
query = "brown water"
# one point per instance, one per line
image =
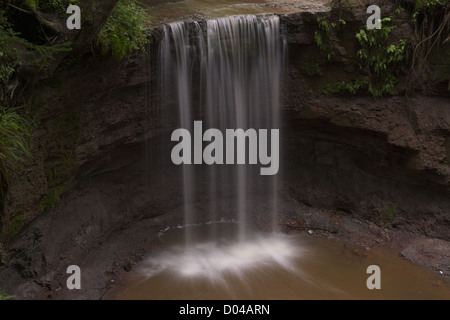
(279, 267)
(169, 11)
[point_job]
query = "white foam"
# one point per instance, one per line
(213, 260)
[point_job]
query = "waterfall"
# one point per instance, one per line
(226, 72)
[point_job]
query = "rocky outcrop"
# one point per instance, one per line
(369, 158)
(39, 182)
(384, 159)
(53, 22)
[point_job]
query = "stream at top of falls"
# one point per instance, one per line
(272, 266)
(169, 11)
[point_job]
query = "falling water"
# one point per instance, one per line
(226, 71)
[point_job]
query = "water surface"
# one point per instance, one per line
(169, 11)
(275, 267)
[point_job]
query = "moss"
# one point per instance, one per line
(16, 224)
(387, 215)
(52, 198)
(345, 119)
(311, 68)
(31, 3)
(62, 163)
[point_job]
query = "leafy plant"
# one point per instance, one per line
(352, 86)
(378, 56)
(8, 59)
(322, 36)
(13, 145)
(429, 4)
(124, 31)
(59, 6)
(35, 56)
(311, 68)
(399, 10)
(44, 55)
(5, 297)
(424, 6)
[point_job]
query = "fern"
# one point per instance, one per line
(124, 31)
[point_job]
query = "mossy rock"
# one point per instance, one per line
(16, 224)
(345, 120)
(307, 113)
(388, 215)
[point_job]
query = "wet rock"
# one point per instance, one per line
(433, 253)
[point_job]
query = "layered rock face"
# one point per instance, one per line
(383, 161)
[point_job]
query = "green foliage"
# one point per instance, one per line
(322, 36)
(63, 164)
(388, 214)
(16, 223)
(124, 31)
(31, 3)
(432, 25)
(8, 59)
(430, 4)
(311, 68)
(399, 10)
(44, 55)
(5, 297)
(378, 56)
(59, 6)
(347, 4)
(13, 144)
(351, 87)
(51, 199)
(15, 52)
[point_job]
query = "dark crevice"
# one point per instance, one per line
(29, 27)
